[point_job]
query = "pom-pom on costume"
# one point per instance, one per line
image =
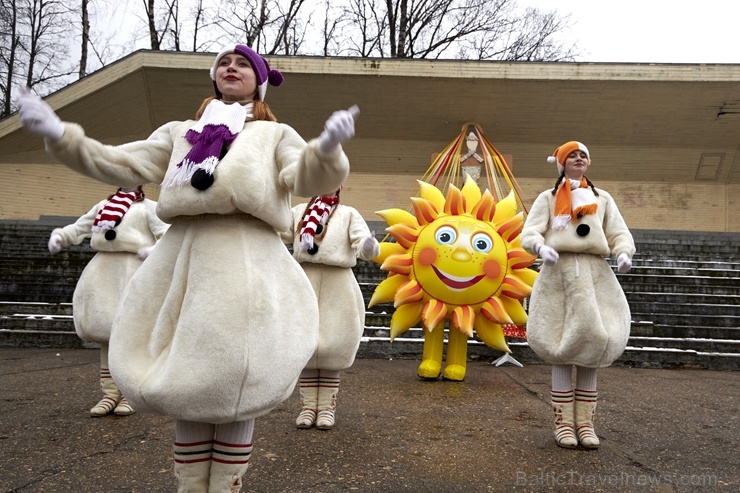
(327, 238)
(118, 228)
(578, 313)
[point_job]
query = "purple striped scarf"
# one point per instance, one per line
(216, 129)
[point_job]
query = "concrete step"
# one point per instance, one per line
(699, 309)
(682, 298)
(644, 352)
(41, 308)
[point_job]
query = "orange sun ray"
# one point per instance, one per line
(434, 312)
(424, 211)
(494, 310)
(455, 202)
(513, 287)
(398, 264)
(404, 234)
(463, 318)
(410, 292)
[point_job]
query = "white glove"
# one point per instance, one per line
(55, 243)
(37, 117)
(370, 248)
(144, 252)
(340, 126)
(624, 263)
(548, 254)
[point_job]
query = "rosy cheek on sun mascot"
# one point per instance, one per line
(457, 258)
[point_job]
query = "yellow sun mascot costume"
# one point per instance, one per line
(456, 258)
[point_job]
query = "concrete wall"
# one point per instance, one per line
(30, 191)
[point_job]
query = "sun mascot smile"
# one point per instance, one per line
(457, 258)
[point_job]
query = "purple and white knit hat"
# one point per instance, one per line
(261, 68)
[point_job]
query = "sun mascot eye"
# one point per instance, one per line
(457, 258)
(482, 243)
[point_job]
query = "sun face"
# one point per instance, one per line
(457, 257)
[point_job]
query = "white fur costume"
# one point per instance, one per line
(341, 306)
(578, 313)
(218, 323)
(101, 284)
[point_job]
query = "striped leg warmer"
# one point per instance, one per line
(232, 449)
(192, 449)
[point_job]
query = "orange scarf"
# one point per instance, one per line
(563, 208)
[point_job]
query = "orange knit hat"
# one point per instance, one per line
(561, 153)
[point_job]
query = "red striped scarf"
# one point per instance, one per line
(317, 212)
(113, 211)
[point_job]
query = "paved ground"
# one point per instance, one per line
(661, 431)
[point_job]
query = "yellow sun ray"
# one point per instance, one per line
(491, 334)
(471, 192)
(388, 248)
(410, 292)
(398, 264)
(463, 318)
(423, 210)
(527, 275)
(515, 310)
(432, 194)
(405, 317)
(505, 208)
(434, 312)
(398, 216)
(494, 310)
(386, 290)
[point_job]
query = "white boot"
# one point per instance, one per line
(562, 406)
(308, 385)
(228, 477)
(193, 477)
(327, 405)
(584, 416)
(192, 467)
(123, 408)
(111, 395)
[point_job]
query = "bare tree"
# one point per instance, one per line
(369, 18)
(34, 47)
(84, 38)
(202, 21)
(35, 39)
(268, 26)
(9, 43)
(103, 43)
(470, 29)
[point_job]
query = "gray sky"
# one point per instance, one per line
(639, 31)
(652, 31)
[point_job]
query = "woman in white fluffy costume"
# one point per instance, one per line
(327, 238)
(578, 313)
(216, 326)
(123, 229)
